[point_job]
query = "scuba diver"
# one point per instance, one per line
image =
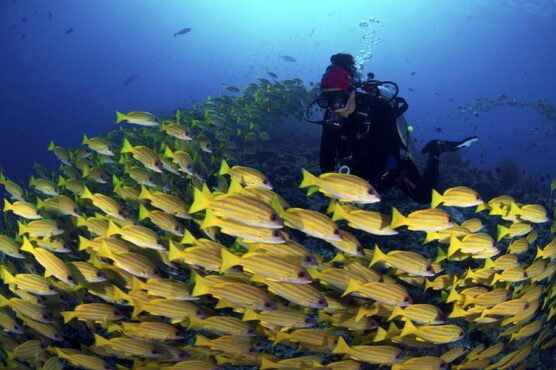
(365, 133)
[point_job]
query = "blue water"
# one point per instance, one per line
(57, 86)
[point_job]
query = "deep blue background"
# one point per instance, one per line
(58, 86)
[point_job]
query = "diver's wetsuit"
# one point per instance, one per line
(375, 150)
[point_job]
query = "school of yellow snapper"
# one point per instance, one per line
(160, 270)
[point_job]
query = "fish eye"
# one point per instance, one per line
(525, 275)
(99, 274)
(359, 249)
(301, 274)
(273, 218)
(429, 268)
(321, 302)
(51, 287)
(155, 351)
(449, 219)
(70, 278)
(251, 350)
(177, 228)
(478, 197)
(198, 312)
(399, 355)
(75, 210)
(46, 316)
(526, 305)
(406, 299)
(308, 259)
(371, 191)
(308, 321)
(268, 304)
(337, 232)
(265, 182)
(177, 333)
(275, 234)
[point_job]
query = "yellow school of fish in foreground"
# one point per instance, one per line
(167, 268)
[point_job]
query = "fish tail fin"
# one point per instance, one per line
(22, 228)
(353, 286)
(276, 206)
(27, 246)
(7, 205)
(249, 315)
(51, 146)
(173, 253)
(228, 260)
(100, 341)
(126, 146)
(67, 315)
(397, 219)
(455, 245)
(84, 243)
(339, 212)
(86, 193)
(514, 210)
(341, 346)
(120, 295)
(235, 187)
(120, 117)
(201, 287)
(168, 152)
(381, 334)
(322, 316)
(489, 263)
(378, 256)
(104, 251)
(136, 285)
(502, 232)
(308, 179)
(224, 168)
(85, 140)
(280, 337)
(143, 212)
(210, 220)
(137, 308)
(495, 278)
(145, 193)
(436, 199)
(6, 276)
(397, 311)
(481, 207)
(540, 253)
(200, 201)
(188, 238)
(454, 295)
(112, 328)
(430, 236)
(267, 364)
(440, 255)
(202, 341)
(408, 329)
(113, 229)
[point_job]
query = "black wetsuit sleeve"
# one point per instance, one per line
(328, 148)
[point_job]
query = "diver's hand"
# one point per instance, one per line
(349, 108)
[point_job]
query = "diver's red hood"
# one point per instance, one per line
(335, 78)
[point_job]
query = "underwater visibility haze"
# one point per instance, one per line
(168, 205)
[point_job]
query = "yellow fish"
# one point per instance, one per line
(380, 355)
(371, 222)
(459, 196)
(432, 219)
(143, 154)
(344, 187)
(407, 261)
(245, 175)
(438, 334)
(105, 203)
(52, 264)
(22, 209)
(95, 312)
(138, 118)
